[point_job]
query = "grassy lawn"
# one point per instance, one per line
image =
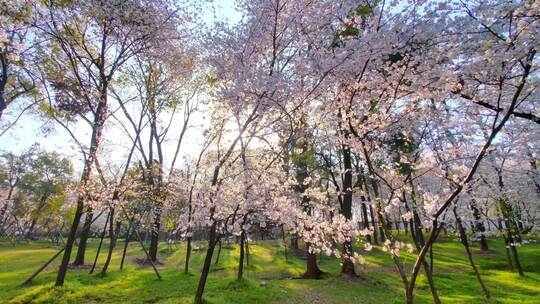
(267, 263)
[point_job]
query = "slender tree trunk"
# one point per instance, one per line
(100, 242)
(188, 255)
(294, 244)
(241, 261)
(126, 242)
(3, 211)
(347, 268)
(374, 225)
(479, 227)
(508, 254)
(365, 218)
(284, 243)
(112, 244)
(154, 240)
(515, 253)
(42, 203)
(30, 229)
(465, 242)
(207, 262)
(218, 253)
(83, 240)
(246, 244)
(62, 270)
(371, 213)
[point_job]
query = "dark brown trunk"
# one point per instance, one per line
(241, 261)
(126, 243)
(346, 210)
(246, 244)
(100, 243)
(207, 262)
(365, 218)
(35, 274)
(312, 271)
(371, 213)
(507, 251)
(374, 225)
(294, 244)
(154, 240)
(42, 203)
(479, 227)
(62, 270)
(31, 229)
(83, 240)
(218, 253)
(188, 255)
(513, 248)
(465, 242)
(112, 236)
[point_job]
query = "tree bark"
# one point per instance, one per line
(112, 236)
(100, 243)
(188, 255)
(312, 271)
(42, 203)
(479, 227)
(62, 270)
(207, 262)
(346, 210)
(465, 242)
(294, 244)
(126, 243)
(218, 252)
(241, 261)
(83, 240)
(154, 240)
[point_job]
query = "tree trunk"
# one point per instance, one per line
(112, 236)
(465, 242)
(126, 243)
(365, 218)
(479, 227)
(62, 270)
(294, 244)
(218, 253)
(513, 248)
(188, 255)
(241, 261)
(246, 244)
(100, 243)
(83, 240)
(374, 225)
(154, 240)
(3, 211)
(207, 262)
(312, 271)
(346, 210)
(30, 229)
(42, 203)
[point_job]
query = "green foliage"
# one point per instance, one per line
(401, 146)
(304, 158)
(361, 10)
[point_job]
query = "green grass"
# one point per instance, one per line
(379, 283)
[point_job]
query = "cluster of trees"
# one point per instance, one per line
(34, 193)
(338, 123)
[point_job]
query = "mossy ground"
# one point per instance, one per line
(267, 263)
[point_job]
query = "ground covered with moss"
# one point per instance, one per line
(271, 277)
